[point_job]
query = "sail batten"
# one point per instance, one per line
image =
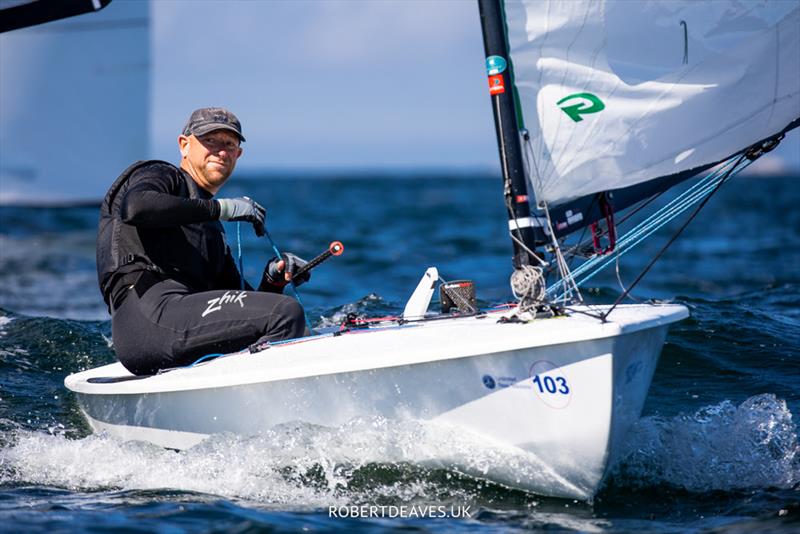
(615, 96)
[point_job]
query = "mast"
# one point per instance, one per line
(501, 89)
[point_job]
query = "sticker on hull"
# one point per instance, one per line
(551, 384)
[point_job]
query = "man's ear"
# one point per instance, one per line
(183, 143)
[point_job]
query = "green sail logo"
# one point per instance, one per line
(585, 103)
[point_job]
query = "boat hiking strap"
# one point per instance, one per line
(698, 193)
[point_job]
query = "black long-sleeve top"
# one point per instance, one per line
(165, 220)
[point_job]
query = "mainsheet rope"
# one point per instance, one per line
(239, 254)
(291, 284)
(280, 256)
(699, 191)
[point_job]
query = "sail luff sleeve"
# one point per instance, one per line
(499, 72)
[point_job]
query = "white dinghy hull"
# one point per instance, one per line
(562, 392)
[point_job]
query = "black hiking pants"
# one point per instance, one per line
(167, 325)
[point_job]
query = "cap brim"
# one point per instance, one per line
(208, 128)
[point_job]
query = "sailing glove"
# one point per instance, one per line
(275, 273)
(243, 209)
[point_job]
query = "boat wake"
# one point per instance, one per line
(300, 465)
(721, 447)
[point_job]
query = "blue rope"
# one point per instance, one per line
(279, 255)
(241, 276)
(294, 288)
(657, 220)
(239, 252)
(204, 358)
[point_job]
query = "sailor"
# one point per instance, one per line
(164, 268)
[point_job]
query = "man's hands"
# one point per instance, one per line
(280, 272)
(243, 209)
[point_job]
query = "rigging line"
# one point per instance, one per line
(556, 249)
(657, 220)
(529, 251)
(599, 315)
(574, 249)
(294, 288)
(642, 231)
(646, 202)
(674, 237)
(538, 186)
(530, 161)
(566, 276)
(519, 231)
(633, 238)
(667, 213)
(239, 254)
(648, 226)
(679, 204)
(529, 147)
(507, 184)
(582, 243)
(619, 278)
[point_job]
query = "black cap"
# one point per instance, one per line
(206, 120)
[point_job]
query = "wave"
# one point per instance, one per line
(721, 447)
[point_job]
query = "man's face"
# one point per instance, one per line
(210, 158)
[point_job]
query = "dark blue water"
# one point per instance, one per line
(717, 448)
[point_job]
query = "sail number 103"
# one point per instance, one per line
(549, 384)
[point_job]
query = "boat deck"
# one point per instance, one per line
(380, 346)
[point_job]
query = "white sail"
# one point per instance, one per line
(73, 104)
(615, 93)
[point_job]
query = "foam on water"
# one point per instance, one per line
(4, 320)
(298, 464)
(719, 447)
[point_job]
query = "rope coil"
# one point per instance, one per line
(528, 286)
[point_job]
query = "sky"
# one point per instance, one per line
(324, 84)
(320, 86)
(337, 84)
